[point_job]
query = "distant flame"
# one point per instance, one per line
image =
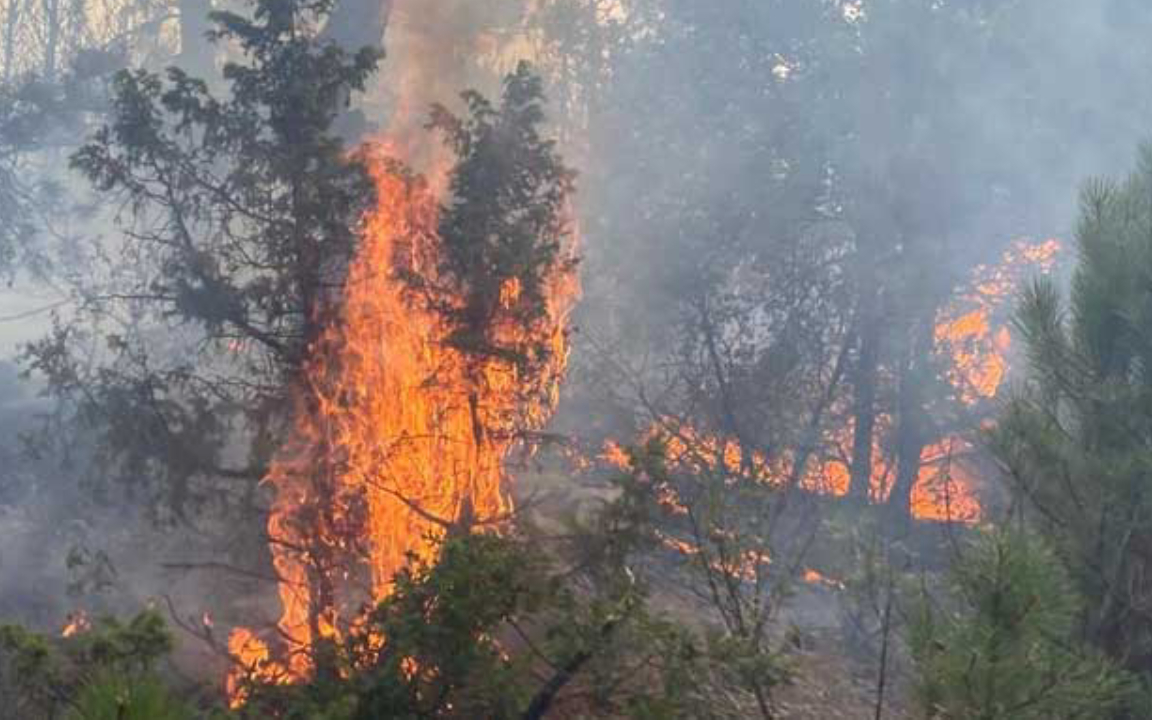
(816, 578)
(76, 623)
(947, 486)
(965, 332)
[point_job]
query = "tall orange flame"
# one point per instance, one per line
(399, 435)
(395, 419)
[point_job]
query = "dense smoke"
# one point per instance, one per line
(803, 227)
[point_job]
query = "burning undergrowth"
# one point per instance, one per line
(972, 340)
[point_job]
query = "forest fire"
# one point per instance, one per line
(977, 348)
(401, 430)
(399, 436)
(971, 334)
(975, 340)
(544, 359)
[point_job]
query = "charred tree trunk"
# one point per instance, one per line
(912, 422)
(864, 382)
(909, 446)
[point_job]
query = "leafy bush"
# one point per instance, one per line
(104, 672)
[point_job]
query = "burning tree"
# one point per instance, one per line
(373, 363)
(520, 624)
(449, 348)
(240, 217)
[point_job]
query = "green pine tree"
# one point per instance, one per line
(1077, 437)
(1003, 646)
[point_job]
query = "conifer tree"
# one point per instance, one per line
(1003, 648)
(1077, 438)
(238, 215)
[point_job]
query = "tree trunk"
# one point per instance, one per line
(12, 22)
(909, 446)
(864, 397)
(912, 422)
(52, 23)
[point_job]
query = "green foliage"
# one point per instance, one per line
(505, 224)
(736, 553)
(1075, 438)
(1003, 646)
(471, 635)
(240, 213)
(136, 645)
(104, 672)
(115, 696)
(439, 624)
(507, 626)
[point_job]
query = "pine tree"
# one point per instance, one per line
(1076, 438)
(1003, 646)
(107, 671)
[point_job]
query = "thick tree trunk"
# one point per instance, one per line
(909, 445)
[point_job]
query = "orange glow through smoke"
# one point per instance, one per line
(947, 486)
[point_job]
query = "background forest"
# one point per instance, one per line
(575, 358)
